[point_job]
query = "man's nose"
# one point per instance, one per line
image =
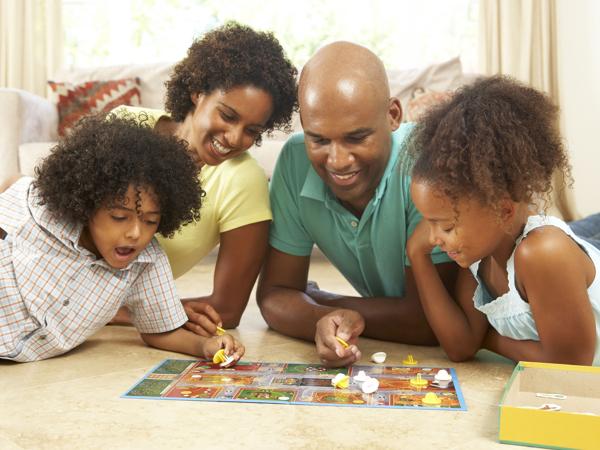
(339, 157)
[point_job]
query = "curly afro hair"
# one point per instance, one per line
(493, 138)
(96, 163)
(230, 56)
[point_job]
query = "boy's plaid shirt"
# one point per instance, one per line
(54, 294)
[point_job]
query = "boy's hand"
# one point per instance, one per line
(346, 324)
(231, 345)
(203, 319)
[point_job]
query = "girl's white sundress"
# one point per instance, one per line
(509, 314)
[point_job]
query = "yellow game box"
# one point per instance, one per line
(551, 405)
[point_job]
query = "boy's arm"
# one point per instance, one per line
(183, 341)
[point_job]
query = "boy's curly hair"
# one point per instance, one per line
(493, 138)
(103, 155)
(230, 56)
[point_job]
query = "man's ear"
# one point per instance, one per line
(394, 113)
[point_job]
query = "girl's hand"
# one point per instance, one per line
(227, 342)
(419, 242)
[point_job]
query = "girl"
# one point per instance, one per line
(234, 85)
(483, 160)
(79, 242)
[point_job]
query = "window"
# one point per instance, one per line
(404, 33)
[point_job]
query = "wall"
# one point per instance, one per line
(578, 58)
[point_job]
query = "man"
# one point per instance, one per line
(339, 186)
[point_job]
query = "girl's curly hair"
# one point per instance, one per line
(230, 56)
(493, 138)
(103, 155)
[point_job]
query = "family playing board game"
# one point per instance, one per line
(439, 225)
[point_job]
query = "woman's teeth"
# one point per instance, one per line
(222, 150)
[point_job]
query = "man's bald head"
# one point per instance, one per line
(346, 71)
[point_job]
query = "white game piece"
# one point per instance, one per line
(443, 378)
(379, 357)
(228, 360)
(370, 385)
(361, 377)
(339, 377)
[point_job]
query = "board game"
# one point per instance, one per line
(291, 383)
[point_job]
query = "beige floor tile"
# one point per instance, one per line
(74, 401)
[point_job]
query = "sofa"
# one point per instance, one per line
(30, 122)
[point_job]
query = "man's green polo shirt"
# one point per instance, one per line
(371, 251)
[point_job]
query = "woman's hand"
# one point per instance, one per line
(203, 319)
(227, 342)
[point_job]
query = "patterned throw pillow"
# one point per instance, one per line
(422, 100)
(77, 100)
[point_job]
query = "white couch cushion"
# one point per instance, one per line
(31, 153)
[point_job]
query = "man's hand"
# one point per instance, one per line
(345, 324)
(202, 318)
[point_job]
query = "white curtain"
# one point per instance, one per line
(518, 38)
(31, 43)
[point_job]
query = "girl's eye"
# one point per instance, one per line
(151, 222)
(118, 218)
(448, 230)
(227, 117)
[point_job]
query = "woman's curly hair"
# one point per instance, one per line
(103, 155)
(493, 138)
(230, 56)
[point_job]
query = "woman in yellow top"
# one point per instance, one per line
(234, 85)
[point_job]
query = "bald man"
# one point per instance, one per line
(338, 186)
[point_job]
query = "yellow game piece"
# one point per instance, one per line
(340, 381)
(431, 399)
(220, 331)
(410, 361)
(343, 342)
(219, 357)
(418, 381)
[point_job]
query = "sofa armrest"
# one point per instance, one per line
(24, 117)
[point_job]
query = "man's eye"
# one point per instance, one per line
(356, 139)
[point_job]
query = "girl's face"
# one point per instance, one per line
(225, 124)
(120, 232)
(467, 232)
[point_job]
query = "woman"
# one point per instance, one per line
(234, 85)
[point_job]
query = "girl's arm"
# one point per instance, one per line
(183, 341)
(458, 326)
(241, 254)
(553, 273)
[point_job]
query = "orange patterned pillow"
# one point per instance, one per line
(77, 100)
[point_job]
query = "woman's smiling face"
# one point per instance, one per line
(224, 124)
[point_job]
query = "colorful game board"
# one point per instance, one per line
(298, 384)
